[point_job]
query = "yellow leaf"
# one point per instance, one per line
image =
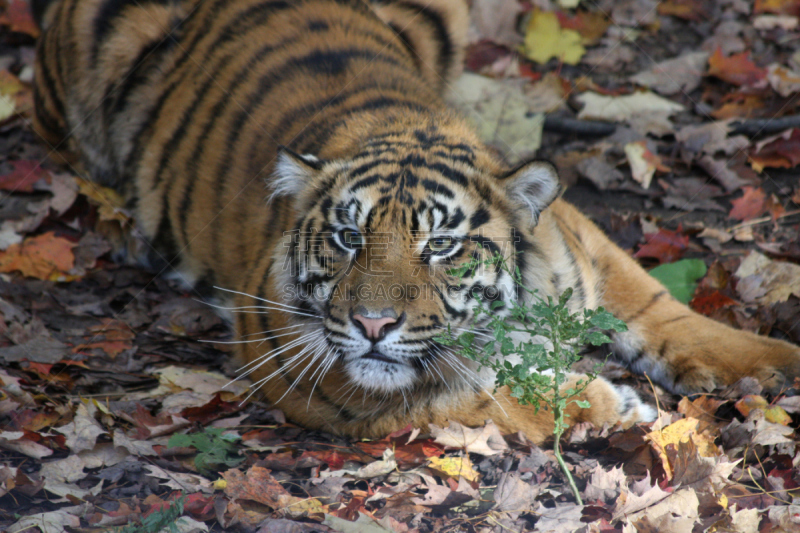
(546, 39)
(220, 484)
(110, 205)
(682, 430)
(777, 415)
(723, 501)
(7, 107)
(455, 467)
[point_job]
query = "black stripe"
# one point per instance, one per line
(479, 218)
(655, 298)
(436, 187)
(252, 17)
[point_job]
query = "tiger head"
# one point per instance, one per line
(379, 236)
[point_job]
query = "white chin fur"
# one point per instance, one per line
(377, 376)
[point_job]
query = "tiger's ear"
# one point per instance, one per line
(293, 172)
(533, 185)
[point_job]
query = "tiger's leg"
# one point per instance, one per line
(681, 350)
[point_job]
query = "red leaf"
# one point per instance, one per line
(707, 301)
(24, 175)
(666, 246)
(783, 152)
(736, 69)
(18, 16)
(752, 204)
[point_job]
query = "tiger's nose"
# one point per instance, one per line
(376, 329)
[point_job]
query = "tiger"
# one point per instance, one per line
(297, 159)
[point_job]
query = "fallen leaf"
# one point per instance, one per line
(681, 74)
(736, 69)
(364, 524)
(666, 246)
(597, 170)
(23, 177)
(546, 39)
(513, 495)
(784, 81)
(676, 432)
(256, 485)
(780, 151)
(82, 432)
(559, 519)
(378, 468)
(501, 113)
(764, 281)
(44, 257)
(778, 7)
(643, 162)
(752, 204)
(18, 18)
(623, 108)
(18, 441)
(591, 25)
(680, 277)
(484, 441)
(52, 522)
(605, 485)
(454, 467)
(685, 9)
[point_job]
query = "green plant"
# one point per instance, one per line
(215, 449)
(165, 518)
(535, 367)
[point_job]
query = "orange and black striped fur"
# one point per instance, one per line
(298, 153)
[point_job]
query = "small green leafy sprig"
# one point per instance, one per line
(551, 339)
(215, 449)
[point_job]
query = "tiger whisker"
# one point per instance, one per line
(257, 363)
(263, 339)
(260, 299)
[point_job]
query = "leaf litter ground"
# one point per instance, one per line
(114, 410)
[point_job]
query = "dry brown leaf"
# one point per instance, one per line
(605, 485)
(43, 257)
(681, 74)
(563, 519)
(484, 441)
(513, 495)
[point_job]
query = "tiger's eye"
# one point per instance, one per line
(351, 239)
(440, 244)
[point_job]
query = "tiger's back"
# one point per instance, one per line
(175, 102)
(265, 145)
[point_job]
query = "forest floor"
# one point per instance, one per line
(676, 126)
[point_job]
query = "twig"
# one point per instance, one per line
(764, 126)
(594, 128)
(762, 220)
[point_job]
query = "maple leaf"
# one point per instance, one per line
(752, 204)
(546, 39)
(485, 441)
(666, 246)
(43, 257)
(737, 69)
(19, 19)
(23, 177)
(707, 301)
(781, 151)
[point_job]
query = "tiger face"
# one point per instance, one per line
(381, 233)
